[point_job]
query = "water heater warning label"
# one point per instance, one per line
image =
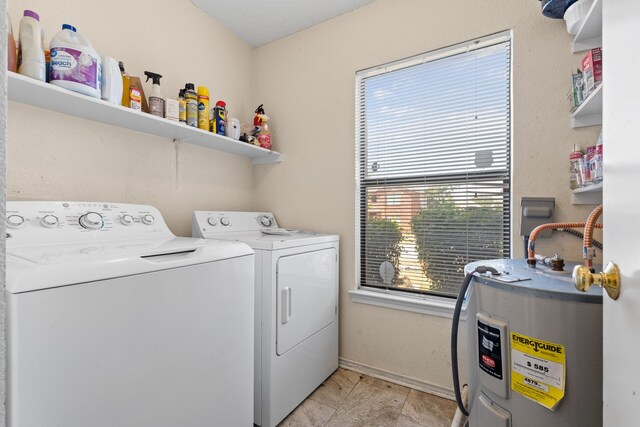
(537, 369)
(489, 350)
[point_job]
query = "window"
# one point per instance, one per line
(433, 140)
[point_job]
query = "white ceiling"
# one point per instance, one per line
(259, 22)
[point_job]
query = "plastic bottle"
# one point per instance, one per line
(219, 118)
(135, 96)
(575, 172)
(31, 61)
(191, 98)
(126, 86)
(75, 64)
(598, 159)
(12, 50)
(203, 108)
(182, 107)
(111, 80)
(156, 102)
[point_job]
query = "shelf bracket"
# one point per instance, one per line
(176, 161)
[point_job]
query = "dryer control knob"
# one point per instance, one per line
(266, 221)
(126, 219)
(15, 221)
(49, 221)
(225, 221)
(212, 221)
(148, 219)
(91, 220)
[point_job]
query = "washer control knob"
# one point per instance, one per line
(225, 221)
(49, 221)
(15, 221)
(126, 219)
(212, 221)
(266, 221)
(91, 220)
(148, 219)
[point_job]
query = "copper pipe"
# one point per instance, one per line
(587, 250)
(531, 253)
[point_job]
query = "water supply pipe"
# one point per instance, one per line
(587, 245)
(531, 255)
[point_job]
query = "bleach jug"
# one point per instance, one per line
(75, 64)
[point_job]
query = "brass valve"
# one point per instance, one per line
(609, 279)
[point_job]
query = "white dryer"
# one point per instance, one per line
(114, 321)
(296, 320)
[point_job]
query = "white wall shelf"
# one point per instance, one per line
(589, 113)
(590, 195)
(39, 94)
(589, 34)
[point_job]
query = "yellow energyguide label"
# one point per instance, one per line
(538, 369)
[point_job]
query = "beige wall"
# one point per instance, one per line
(307, 82)
(52, 156)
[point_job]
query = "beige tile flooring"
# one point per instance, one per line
(348, 399)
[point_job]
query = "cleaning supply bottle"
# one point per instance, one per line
(75, 64)
(111, 80)
(219, 118)
(182, 107)
(31, 61)
(203, 108)
(575, 166)
(126, 85)
(135, 95)
(12, 49)
(191, 97)
(156, 102)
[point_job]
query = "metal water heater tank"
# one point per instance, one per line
(534, 348)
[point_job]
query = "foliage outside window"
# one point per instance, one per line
(434, 165)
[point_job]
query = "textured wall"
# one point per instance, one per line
(54, 156)
(3, 144)
(307, 82)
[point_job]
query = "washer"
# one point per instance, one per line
(114, 321)
(296, 321)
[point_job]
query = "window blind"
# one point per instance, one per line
(433, 172)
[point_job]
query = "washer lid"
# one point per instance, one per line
(31, 268)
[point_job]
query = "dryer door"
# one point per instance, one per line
(307, 296)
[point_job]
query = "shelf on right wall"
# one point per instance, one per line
(589, 113)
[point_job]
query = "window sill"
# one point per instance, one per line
(423, 304)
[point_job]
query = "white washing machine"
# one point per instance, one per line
(296, 320)
(114, 321)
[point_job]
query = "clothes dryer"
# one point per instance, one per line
(114, 321)
(296, 318)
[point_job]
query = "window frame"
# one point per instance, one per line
(407, 299)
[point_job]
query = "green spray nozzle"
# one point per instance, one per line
(155, 76)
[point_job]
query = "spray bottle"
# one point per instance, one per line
(203, 108)
(191, 98)
(182, 107)
(156, 102)
(219, 118)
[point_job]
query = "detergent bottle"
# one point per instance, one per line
(31, 60)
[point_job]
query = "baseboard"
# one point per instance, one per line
(399, 379)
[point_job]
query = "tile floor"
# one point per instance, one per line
(348, 399)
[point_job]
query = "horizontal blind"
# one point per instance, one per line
(434, 166)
